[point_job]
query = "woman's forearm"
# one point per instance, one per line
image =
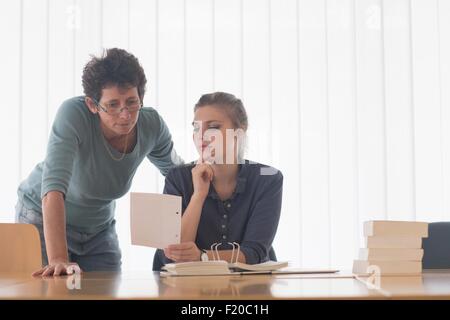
(191, 218)
(55, 227)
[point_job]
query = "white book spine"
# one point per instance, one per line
(398, 228)
(393, 242)
(387, 267)
(391, 254)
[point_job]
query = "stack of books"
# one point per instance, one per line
(392, 248)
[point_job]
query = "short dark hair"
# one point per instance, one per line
(232, 105)
(115, 67)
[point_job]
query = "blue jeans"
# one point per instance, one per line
(98, 251)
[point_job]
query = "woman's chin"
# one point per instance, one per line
(123, 129)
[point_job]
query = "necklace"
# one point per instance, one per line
(109, 151)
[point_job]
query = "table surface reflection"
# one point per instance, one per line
(149, 285)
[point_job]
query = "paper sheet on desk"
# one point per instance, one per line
(155, 219)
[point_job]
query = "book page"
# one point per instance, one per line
(155, 219)
(268, 265)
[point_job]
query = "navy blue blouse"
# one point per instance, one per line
(249, 217)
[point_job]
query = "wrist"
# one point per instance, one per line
(198, 197)
(58, 260)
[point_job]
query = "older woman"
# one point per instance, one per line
(95, 146)
(225, 198)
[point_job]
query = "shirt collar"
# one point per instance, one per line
(240, 183)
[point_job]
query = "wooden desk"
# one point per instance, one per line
(148, 285)
(432, 284)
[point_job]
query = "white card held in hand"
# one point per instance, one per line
(155, 219)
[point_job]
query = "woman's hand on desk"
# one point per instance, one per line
(58, 268)
(183, 252)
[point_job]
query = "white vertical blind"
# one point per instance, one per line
(256, 74)
(342, 131)
(285, 116)
(313, 135)
(427, 110)
(444, 68)
(11, 86)
(63, 23)
(348, 98)
(33, 84)
(398, 111)
(227, 50)
(370, 111)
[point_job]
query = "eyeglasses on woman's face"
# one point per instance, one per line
(115, 108)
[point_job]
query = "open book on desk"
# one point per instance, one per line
(219, 267)
(223, 268)
(195, 268)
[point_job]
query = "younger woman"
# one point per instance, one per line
(225, 198)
